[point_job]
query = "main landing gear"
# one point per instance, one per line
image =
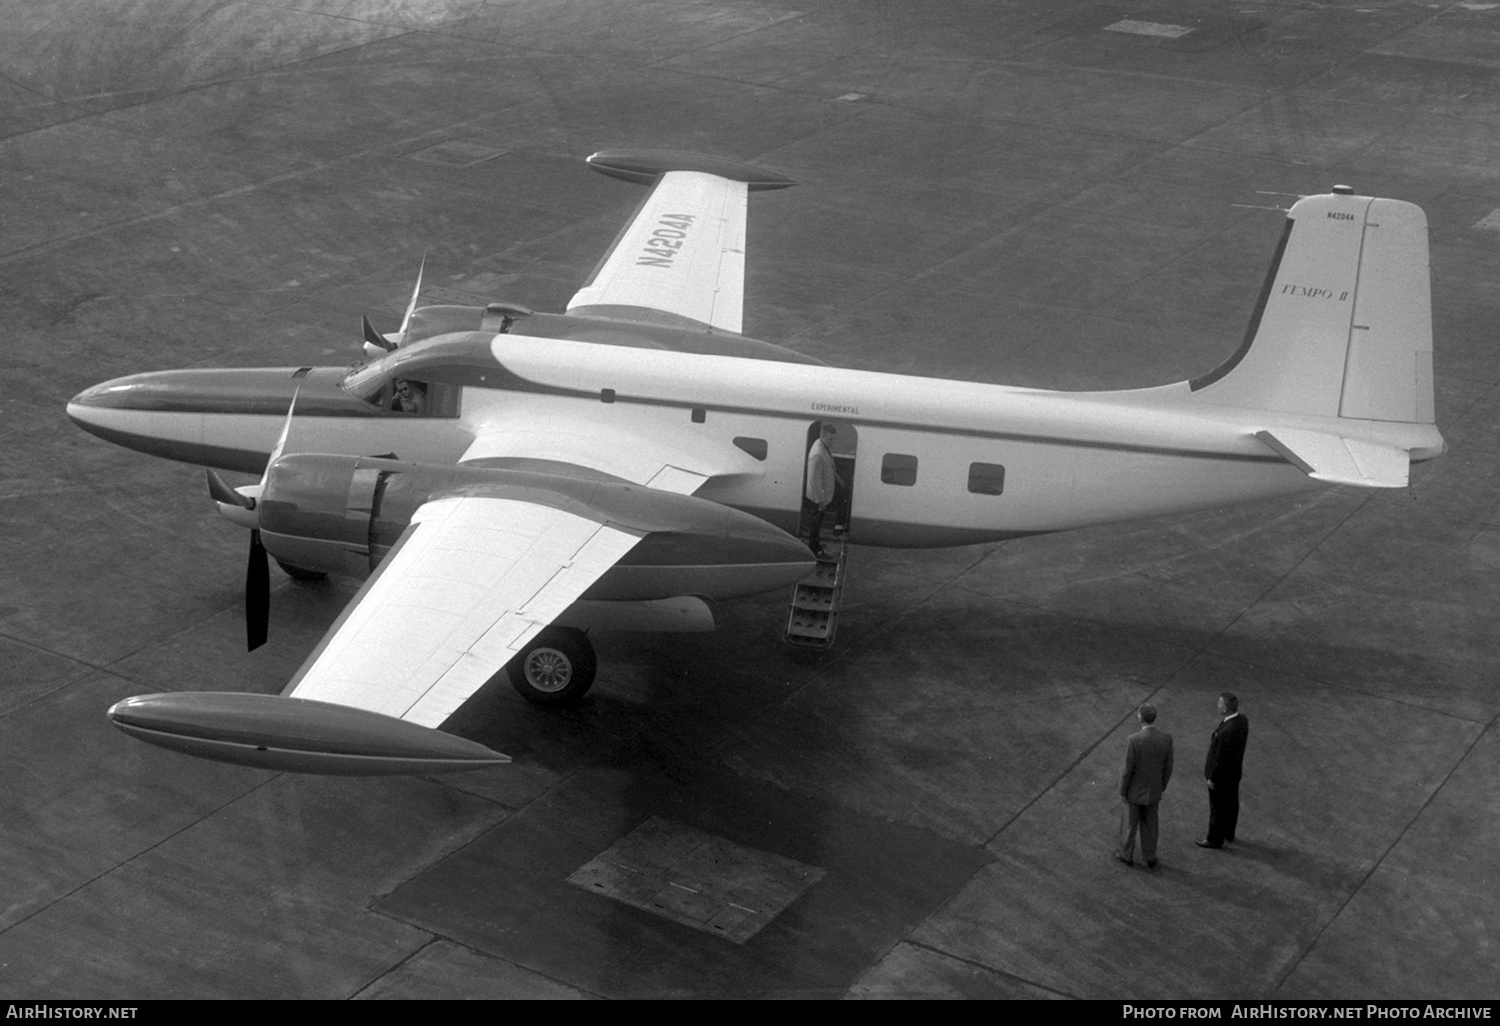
(557, 668)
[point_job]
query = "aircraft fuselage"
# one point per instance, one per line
(935, 462)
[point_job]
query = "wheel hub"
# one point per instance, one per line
(548, 670)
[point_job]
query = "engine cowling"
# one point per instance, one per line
(316, 512)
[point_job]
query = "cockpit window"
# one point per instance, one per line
(410, 397)
(381, 384)
(434, 371)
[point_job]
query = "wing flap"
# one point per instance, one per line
(471, 582)
(1340, 460)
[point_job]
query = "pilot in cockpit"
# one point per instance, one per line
(410, 397)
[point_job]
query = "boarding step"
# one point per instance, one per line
(813, 616)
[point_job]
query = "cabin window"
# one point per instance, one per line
(699, 415)
(898, 469)
(986, 478)
(754, 446)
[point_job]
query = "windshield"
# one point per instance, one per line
(371, 381)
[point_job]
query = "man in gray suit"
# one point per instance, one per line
(1148, 767)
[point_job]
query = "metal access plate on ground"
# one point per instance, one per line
(697, 879)
(456, 153)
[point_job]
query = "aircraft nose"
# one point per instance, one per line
(136, 392)
(225, 418)
(106, 394)
(253, 391)
(92, 408)
(86, 397)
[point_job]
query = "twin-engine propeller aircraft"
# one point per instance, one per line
(510, 479)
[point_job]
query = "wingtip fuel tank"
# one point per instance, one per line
(295, 735)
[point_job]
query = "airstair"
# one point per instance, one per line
(814, 613)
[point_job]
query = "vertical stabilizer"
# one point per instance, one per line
(1343, 327)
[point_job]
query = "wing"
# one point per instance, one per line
(472, 580)
(679, 465)
(683, 254)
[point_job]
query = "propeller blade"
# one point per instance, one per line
(286, 429)
(375, 338)
(258, 571)
(257, 594)
(220, 491)
(412, 306)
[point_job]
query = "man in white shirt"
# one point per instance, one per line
(822, 480)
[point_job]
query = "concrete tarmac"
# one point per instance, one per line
(1042, 193)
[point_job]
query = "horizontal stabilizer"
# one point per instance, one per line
(1338, 460)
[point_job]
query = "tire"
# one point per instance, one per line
(296, 573)
(557, 668)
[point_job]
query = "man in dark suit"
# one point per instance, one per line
(1148, 767)
(1226, 756)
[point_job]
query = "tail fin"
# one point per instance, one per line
(1343, 327)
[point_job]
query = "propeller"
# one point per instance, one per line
(375, 339)
(240, 506)
(257, 595)
(412, 306)
(377, 344)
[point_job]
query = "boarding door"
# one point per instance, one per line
(842, 448)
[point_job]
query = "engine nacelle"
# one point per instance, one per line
(315, 512)
(342, 514)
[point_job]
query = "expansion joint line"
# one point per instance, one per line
(1359, 886)
(989, 968)
(144, 851)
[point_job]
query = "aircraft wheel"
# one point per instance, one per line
(557, 668)
(296, 573)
